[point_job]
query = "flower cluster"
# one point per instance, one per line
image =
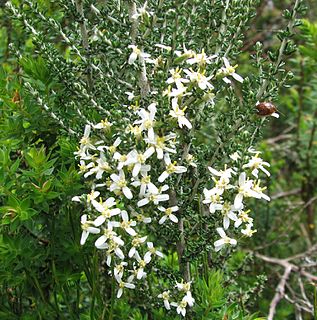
(231, 190)
(183, 296)
(133, 165)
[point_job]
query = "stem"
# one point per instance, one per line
(290, 27)
(84, 36)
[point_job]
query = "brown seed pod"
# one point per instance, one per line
(266, 108)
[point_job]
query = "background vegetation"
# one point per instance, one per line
(46, 274)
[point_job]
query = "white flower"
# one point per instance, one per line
(136, 53)
(235, 156)
(108, 234)
(147, 119)
(180, 115)
(201, 58)
(170, 168)
(130, 95)
(160, 144)
(120, 183)
(112, 149)
(155, 196)
(136, 242)
(259, 190)
(152, 250)
(126, 224)
(228, 214)
(92, 195)
(138, 160)
(183, 286)
(102, 166)
(229, 70)
(199, 78)
(104, 209)
(145, 184)
(191, 160)
(213, 199)
(103, 124)
(243, 217)
(248, 231)
(141, 218)
(87, 227)
(224, 240)
(189, 299)
(165, 296)
(176, 78)
(118, 270)
(178, 92)
(180, 307)
(142, 263)
(142, 12)
(123, 285)
(256, 163)
(168, 214)
(244, 190)
(85, 142)
(227, 173)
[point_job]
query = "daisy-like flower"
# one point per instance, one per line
(141, 218)
(199, 78)
(190, 159)
(235, 156)
(87, 227)
(145, 184)
(136, 242)
(248, 231)
(256, 163)
(180, 115)
(166, 297)
(141, 265)
(101, 167)
(170, 168)
(229, 70)
(84, 168)
(118, 270)
(178, 92)
(142, 12)
(259, 190)
(225, 240)
(136, 53)
(104, 209)
(176, 77)
(156, 196)
(147, 119)
(183, 286)
(201, 58)
(104, 125)
(152, 250)
(126, 224)
(123, 285)
(92, 195)
(180, 307)
(85, 142)
(244, 190)
(168, 214)
(112, 149)
(228, 214)
(162, 144)
(213, 199)
(108, 234)
(138, 160)
(120, 183)
(243, 217)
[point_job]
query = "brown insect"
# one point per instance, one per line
(267, 109)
